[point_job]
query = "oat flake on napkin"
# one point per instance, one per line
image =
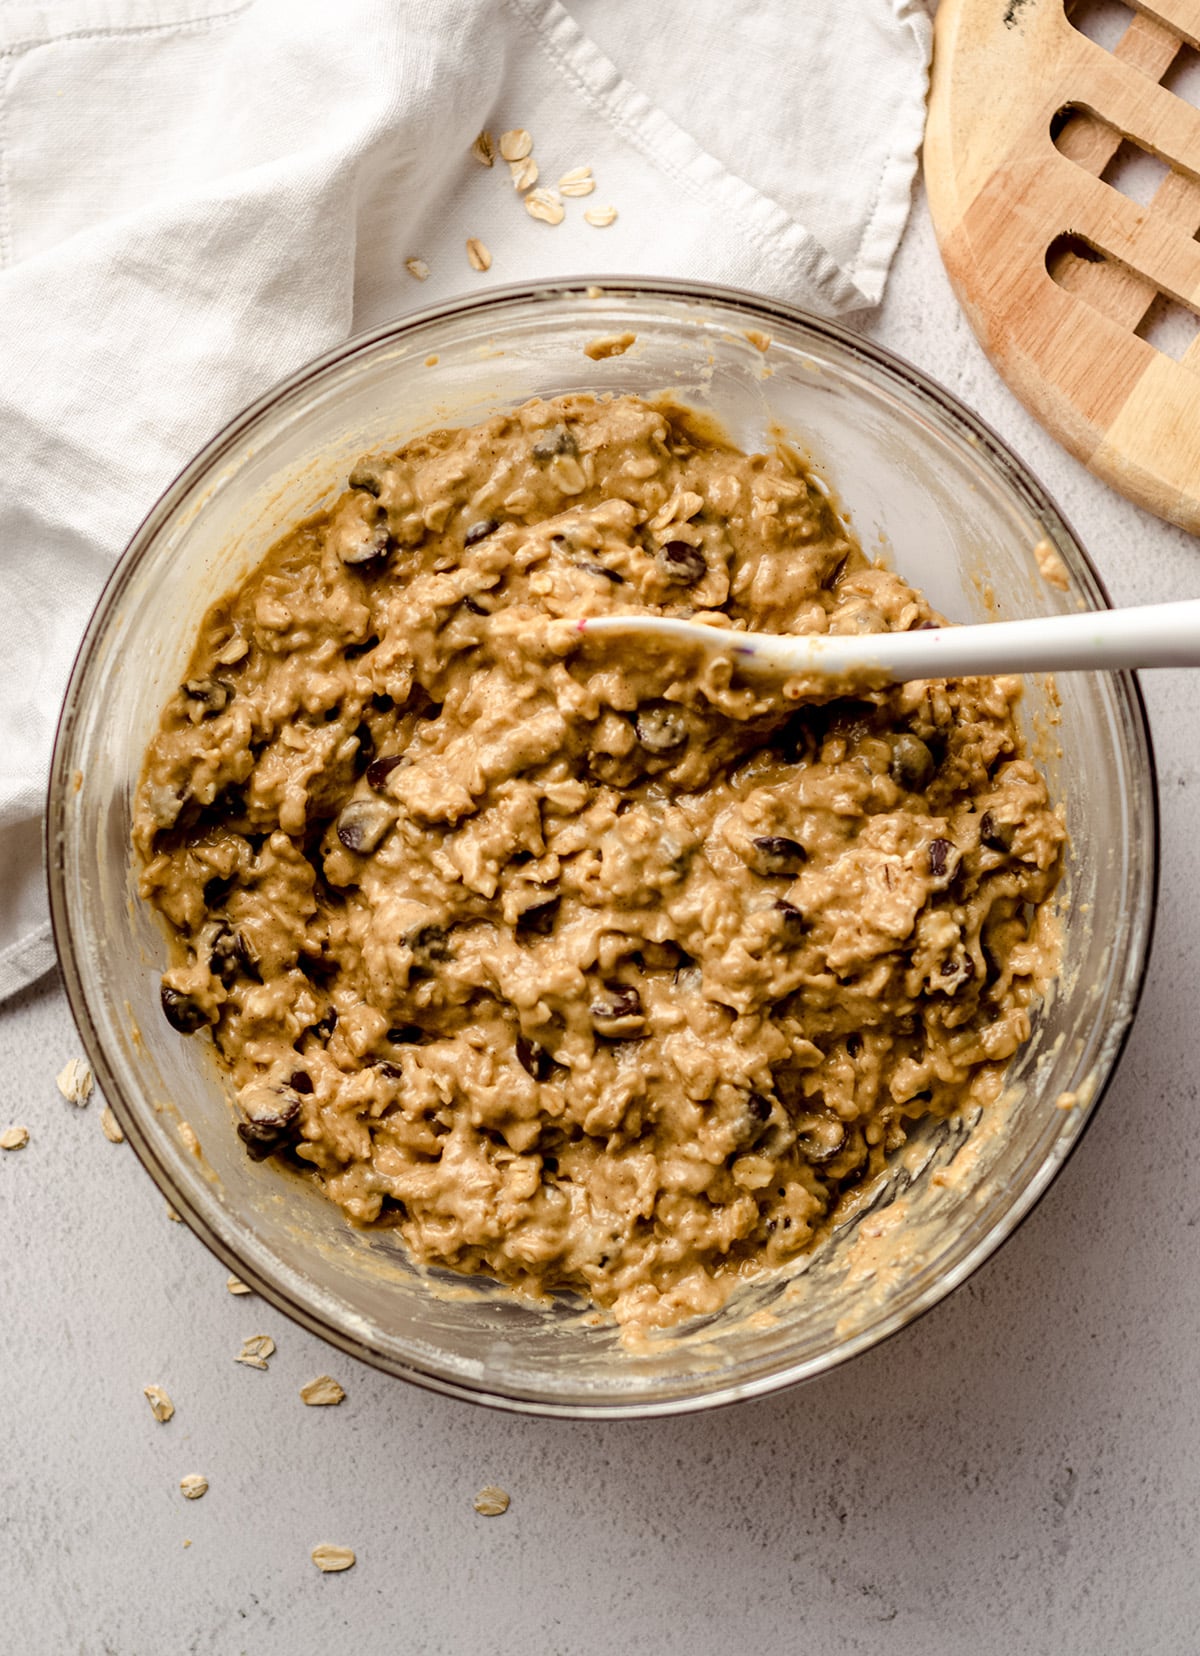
(196, 197)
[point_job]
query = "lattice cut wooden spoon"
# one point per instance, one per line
(1056, 268)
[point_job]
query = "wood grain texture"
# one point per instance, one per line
(1055, 267)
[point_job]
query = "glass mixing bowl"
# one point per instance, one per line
(922, 480)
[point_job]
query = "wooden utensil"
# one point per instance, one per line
(1055, 268)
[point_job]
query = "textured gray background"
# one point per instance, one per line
(1021, 1470)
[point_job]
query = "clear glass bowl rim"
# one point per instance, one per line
(878, 360)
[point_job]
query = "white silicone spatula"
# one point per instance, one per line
(1153, 635)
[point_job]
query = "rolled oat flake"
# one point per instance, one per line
(544, 205)
(110, 1127)
(14, 1138)
(524, 174)
(193, 1486)
(323, 1392)
(516, 144)
(74, 1081)
(329, 1559)
(256, 1350)
(492, 1501)
(159, 1402)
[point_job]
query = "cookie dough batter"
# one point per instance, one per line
(585, 967)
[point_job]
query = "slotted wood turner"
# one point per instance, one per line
(1055, 268)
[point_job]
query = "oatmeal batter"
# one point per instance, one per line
(583, 966)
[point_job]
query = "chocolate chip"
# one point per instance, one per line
(363, 823)
(209, 693)
(912, 764)
(269, 1106)
(325, 1025)
(300, 1081)
(365, 751)
(939, 857)
(386, 1067)
(370, 543)
(380, 769)
(229, 955)
(555, 440)
(774, 854)
(363, 477)
(998, 835)
(432, 942)
(217, 890)
(661, 729)
(533, 1059)
(590, 567)
(793, 920)
(759, 1106)
(682, 563)
(404, 1034)
(261, 1139)
(539, 920)
(182, 1012)
(273, 1119)
(475, 607)
(620, 1003)
(480, 531)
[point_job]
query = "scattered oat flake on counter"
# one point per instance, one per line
(545, 206)
(255, 1351)
(331, 1559)
(110, 1127)
(477, 254)
(492, 1501)
(323, 1392)
(74, 1081)
(160, 1404)
(524, 174)
(14, 1138)
(760, 341)
(417, 268)
(516, 144)
(173, 1216)
(483, 149)
(193, 1486)
(235, 1285)
(577, 182)
(600, 217)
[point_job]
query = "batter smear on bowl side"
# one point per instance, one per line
(583, 966)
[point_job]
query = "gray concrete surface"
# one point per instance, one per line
(1018, 1472)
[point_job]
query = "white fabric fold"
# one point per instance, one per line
(196, 198)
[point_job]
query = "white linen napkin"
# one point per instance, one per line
(196, 196)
